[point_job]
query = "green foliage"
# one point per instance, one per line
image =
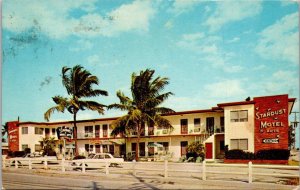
(79, 157)
(239, 154)
(271, 154)
(196, 149)
(79, 84)
(48, 146)
(144, 107)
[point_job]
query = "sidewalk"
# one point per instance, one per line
(167, 183)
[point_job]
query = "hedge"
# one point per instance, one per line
(270, 154)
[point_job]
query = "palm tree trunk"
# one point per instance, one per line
(137, 143)
(75, 133)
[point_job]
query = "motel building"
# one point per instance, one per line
(260, 123)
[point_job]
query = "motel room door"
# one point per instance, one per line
(183, 146)
(209, 150)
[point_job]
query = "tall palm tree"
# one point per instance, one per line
(79, 84)
(144, 107)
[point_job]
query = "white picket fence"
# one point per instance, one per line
(161, 168)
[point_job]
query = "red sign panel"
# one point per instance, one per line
(13, 135)
(271, 122)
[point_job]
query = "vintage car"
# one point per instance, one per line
(98, 160)
(34, 158)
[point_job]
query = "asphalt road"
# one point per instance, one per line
(20, 179)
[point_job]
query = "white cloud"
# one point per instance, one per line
(132, 16)
(182, 6)
(169, 24)
(224, 89)
(54, 19)
(281, 82)
(280, 41)
(81, 45)
(210, 52)
(233, 40)
(93, 60)
(288, 2)
(231, 11)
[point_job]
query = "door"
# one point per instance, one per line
(209, 151)
(142, 149)
(98, 150)
(97, 131)
(183, 147)
(210, 122)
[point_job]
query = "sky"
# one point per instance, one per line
(212, 52)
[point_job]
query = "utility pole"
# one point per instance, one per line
(293, 129)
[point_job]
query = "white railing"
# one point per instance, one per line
(160, 168)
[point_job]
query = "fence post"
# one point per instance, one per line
(250, 172)
(133, 168)
(63, 169)
(204, 170)
(3, 162)
(29, 164)
(106, 167)
(16, 163)
(45, 163)
(166, 167)
(83, 166)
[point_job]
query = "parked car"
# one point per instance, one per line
(98, 160)
(34, 157)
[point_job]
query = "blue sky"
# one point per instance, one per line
(213, 52)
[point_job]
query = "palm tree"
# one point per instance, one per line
(144, 107)
(48, 146)
(79, 84)
(4, 131)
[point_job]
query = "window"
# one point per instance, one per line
(38, 131)
(37, 147)
(239, 116)
(165, 145)
(53, 131)
(104, 130)
(24, 130)
(24, 146)
(150, 150)
(97, 131)
(86, 147)
(88, 131)
(151, 129)
(241, 144)
(89, 148)
(184, 126)
(197, 125)
(112, 149)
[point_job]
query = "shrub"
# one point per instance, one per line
(79, 157)
(27, 150)
(239, 154)
(18, 154)
(270, 154)
(273, 154)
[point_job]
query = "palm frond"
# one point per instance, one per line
(92, 105)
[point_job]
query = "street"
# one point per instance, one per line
(21, 179)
